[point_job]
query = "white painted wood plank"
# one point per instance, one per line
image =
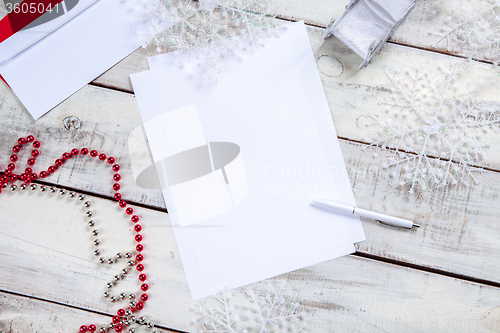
(27, 315)
(457, 217)
(46, 253)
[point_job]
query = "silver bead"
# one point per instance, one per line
(119, 256)
(43, 188)
(102, 330)
(150, 325)
(111, 261)
(132, 319)
(96, 242)
(106, 294)
(128, 313)
(133, 304)
(5, 185)
(81, 197)
(113, 299)
(13, 188)
(131, 263)
(123, 295)
(102, 260)
(97, 252)
(91, 223)
(87, 204)
(52, 189)
(23, 187)
(141, 320)
(125, 271)
(128, 255)
(33, 187)
(110, 284)
(62, 192)
(131, 297)
(95, 232)
(132, 330)
(111, 325)
(72, 194)
(118, 278)
(89, 213)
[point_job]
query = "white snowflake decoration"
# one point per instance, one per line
(274, 311)
(432, 124)
(471, 28)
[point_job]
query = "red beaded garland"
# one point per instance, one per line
(29, 176)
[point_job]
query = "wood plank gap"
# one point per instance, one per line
(110, 315)
(102, 85)
(97, 195)
(427, 269)
(413, 153)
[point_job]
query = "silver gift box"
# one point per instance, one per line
(367, 24)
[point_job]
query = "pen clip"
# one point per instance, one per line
(393, 226)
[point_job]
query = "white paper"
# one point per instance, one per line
(57, 66)
(27, 37)
(271, 105)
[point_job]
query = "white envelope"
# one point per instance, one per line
(57, 66)
(250, 216)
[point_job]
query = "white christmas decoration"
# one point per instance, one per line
(276, 310)
(433, 124)
(470, 28)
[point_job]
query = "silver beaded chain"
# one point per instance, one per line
(130, 320)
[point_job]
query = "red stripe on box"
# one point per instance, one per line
(14, 22)
(1, 77)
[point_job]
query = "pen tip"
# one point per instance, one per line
(416, 225)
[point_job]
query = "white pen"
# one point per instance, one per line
(391, 220)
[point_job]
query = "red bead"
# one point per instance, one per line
(144, 287)
(119, 328)
(135, 218)
(118, 196)
(137, 227)
(142, 277)
(8, 172)
(139, 247)
(111, 160)
(43, 174)
(102, 157)
(33, 176)
(92, 328)
(116, 319)
(16, 149)
(21, 141)
(117, 177)
(28, 170)
(66, 156)
(13, 177)
(52, 169)
(13, 158)
(138, 238)
(31, 162)
(139, 306)
(93, 153)
(121, 312)
(11, 166)
(131, 309)
(144, 297)
(74, 151)
(129, 211)
(83, 329)
(4, 179)
(30, 138)
(58, 162)
(116, 168)
(122, 204)
(140, 267)
(35, 153)
(139, 257)
(116, 187)
(36, 144)
(84, 151)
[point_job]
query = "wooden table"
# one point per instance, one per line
(443, 277)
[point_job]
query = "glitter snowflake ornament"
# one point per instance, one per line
(433, 124)
(274, 310)
(470, 28)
